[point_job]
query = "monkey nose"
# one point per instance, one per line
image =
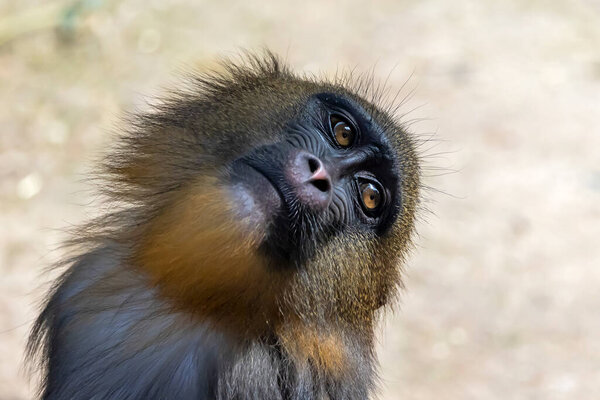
(311, 182)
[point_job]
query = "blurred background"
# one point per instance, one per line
(503, 288)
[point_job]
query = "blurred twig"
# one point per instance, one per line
(61, 13)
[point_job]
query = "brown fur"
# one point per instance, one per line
(325, 350)
(198, 254)
(171, 297)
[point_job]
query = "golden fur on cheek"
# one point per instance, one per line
(201, 256)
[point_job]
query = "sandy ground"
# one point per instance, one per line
(502, 299)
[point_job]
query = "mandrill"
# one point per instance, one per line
(255, 228)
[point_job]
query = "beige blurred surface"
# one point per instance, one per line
(503, 289)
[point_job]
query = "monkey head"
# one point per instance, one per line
(258, 198)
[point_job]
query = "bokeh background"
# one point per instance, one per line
(503, 288)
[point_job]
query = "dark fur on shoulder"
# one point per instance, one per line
(116, 327)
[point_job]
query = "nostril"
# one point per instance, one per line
(308, 176)
(321, 184)
(313, 164)
(319, 177)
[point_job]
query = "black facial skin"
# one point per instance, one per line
(304, 212)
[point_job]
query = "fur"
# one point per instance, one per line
(167, 296)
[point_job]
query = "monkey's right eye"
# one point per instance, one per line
(343, 131)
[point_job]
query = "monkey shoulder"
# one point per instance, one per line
(104, 334)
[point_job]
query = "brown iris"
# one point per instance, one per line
(343, 131)
(371, 196)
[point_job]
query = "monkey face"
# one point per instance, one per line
(330, 169)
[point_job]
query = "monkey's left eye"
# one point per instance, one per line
(371, 196)
(343, 131)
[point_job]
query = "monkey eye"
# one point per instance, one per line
(371, 196)
(343, 131)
